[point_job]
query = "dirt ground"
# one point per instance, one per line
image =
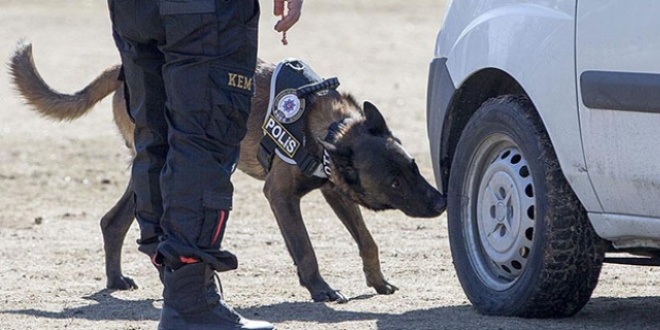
(58, 179)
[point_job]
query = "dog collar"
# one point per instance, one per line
(324, 170)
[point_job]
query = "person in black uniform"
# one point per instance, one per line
(188, 68)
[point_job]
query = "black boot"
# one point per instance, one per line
(192, 302)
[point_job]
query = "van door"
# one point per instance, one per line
(618, 72)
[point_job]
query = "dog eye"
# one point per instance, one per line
(395, 184)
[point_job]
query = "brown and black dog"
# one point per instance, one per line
(369, 168)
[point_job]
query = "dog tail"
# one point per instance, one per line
(50, 103)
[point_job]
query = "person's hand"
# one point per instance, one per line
(290, 17)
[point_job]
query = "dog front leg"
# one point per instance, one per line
(114, 226)
(286, 208)
(350, 215)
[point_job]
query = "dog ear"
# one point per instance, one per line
(375, 121)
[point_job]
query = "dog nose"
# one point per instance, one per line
(439, 201)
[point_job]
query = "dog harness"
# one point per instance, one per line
(292, 87)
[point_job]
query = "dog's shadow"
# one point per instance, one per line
(107, 307)
(600, 313)
(110, 308)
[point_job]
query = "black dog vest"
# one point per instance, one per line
(292, 86)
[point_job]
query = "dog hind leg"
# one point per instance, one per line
(350, 215)
(114, 225)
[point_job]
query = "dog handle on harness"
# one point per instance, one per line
(330, 83)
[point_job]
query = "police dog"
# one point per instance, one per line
(369, 167)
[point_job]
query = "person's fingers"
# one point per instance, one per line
(278, 7)
(292, 16)
(286, 23)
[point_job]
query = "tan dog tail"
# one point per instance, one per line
(50, 103)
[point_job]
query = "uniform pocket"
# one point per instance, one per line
(174, 7)
(231, 95)
(228, 123)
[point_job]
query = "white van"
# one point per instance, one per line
(544, 127)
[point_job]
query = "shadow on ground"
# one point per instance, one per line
(600, 313)
(107, 307)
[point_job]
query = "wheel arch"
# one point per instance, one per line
(478, 88)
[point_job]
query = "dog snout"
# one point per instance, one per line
(430, 204)
(437, 202)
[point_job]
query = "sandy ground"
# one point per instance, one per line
(58, 179)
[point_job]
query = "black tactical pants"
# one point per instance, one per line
(188, 68)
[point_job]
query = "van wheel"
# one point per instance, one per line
(520, 239)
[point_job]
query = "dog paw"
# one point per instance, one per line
(326, 296)
(385, 288)
(121, 283)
